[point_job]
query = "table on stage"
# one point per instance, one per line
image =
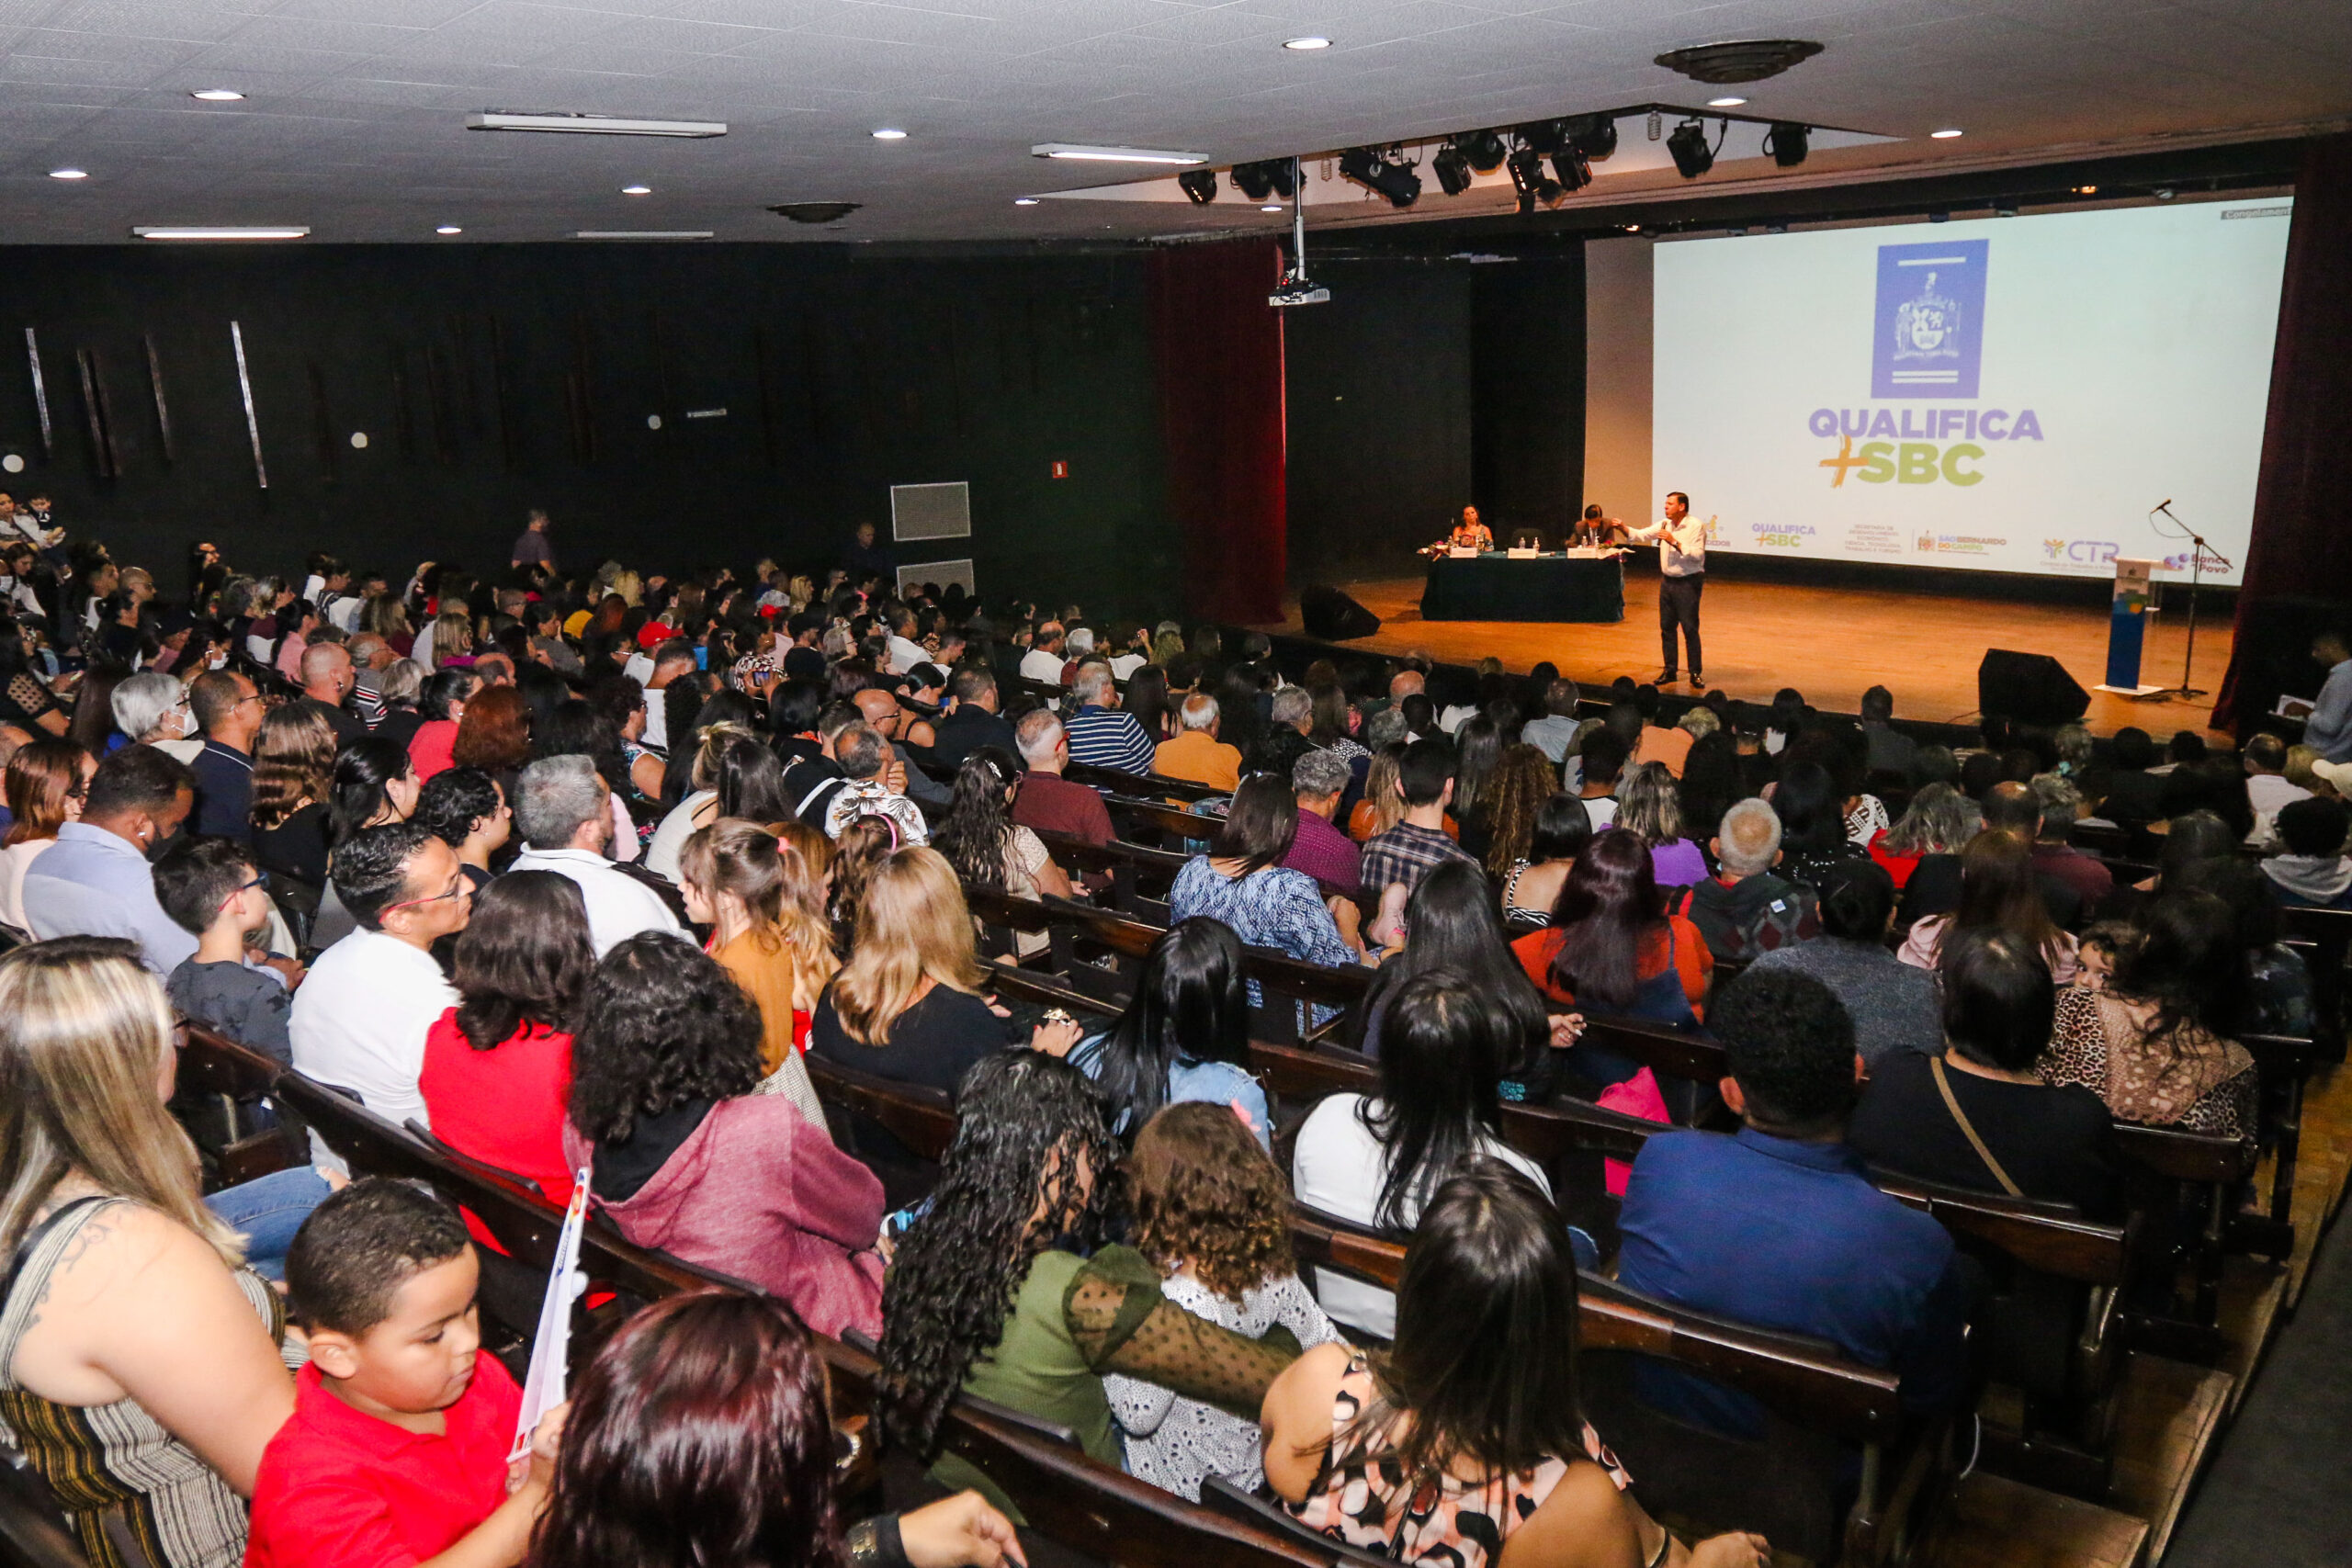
(1579, 585)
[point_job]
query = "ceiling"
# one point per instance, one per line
(353, 122)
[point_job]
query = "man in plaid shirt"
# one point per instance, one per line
(1419, 844)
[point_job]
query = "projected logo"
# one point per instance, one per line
(1929, 337)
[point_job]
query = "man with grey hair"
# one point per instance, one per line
(864, 756)
(1046, 802)
(1197, 755)
(1320, 850)
(1405, 683)
(370, 657)
(1745, 910)
(563, 809)
(1290, 719)
(1552, 733)
(1102, 735)
(152, 710)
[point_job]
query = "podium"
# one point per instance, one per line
(2127, 628)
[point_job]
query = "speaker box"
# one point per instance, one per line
(1333, 616)
(2030, 688)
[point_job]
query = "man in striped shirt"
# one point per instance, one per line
(1101, 735)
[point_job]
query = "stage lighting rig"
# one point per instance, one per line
(1266, 178)
(1452, 168)
(1199, 184)
(1788, 143)
(1594, 135)
(1688, 143)
(1528, 178)
(1544, 136)
(1574, 170)
(1484, 150)
(1383, 174)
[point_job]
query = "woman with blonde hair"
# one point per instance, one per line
(45, 781)
(293, 784)
(1649, 807)
(452, 642)
(908, 1004)
(140, 1371)
(1383, 806)
(756, 896)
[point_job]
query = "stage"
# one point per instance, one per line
(1832, 644)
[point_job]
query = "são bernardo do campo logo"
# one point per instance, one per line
(1927, 341)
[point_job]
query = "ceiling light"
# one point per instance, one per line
(218, 94)
(2086, 190)
(1307, 43)
(1272, 207)
(1594, 135)
(1724, 103)
(1024, 201)
(593, 124)
(1199, 185)
(815, 211)
(1788, 142)
(1528, 178)
(1484, 149)
(1265, 179)
(889, 133)
(448, 229)
(1746, 60)
(255, 231)
(1687, 144)
(636, 190)
(1944, 135)
(1573, 170)
(1382, 175)
(69, 174)
(1084, 154)
(642, 234)
(1453, 170)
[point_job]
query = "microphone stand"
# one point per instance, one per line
(2196, 550)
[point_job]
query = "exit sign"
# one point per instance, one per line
(1062, 468)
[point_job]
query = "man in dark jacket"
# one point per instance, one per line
(1745, 910)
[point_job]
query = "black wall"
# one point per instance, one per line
(1425, 384)
(491, 379)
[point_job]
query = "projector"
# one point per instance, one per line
(1298, 292)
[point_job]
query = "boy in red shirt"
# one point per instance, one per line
(396, 1452)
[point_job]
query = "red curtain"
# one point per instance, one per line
(2301, 547)
(1219, 346)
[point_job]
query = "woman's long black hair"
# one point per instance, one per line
(524, 958)
(362, 769)
(1027, 1124)
(1450, 924)
(1192, 1003)
(978, 827)
(1445, 1047)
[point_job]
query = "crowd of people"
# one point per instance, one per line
(578, 871)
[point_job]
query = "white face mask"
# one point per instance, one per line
(216, 662)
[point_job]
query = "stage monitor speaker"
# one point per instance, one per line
(1333, 616)
(2030, 688)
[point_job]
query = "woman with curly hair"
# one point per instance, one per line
(688, 1156)
(1003, 1285)
(1939, 821)
(988, 848)
(1212, 1215)
(1523, 779)
(760, 902)
(700, 1437)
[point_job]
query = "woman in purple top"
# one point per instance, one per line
(1650, 805)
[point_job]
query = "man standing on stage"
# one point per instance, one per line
(1682, 573)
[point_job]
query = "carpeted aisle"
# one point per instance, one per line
(2275, 1491)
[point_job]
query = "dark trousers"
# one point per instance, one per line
(1677, 606)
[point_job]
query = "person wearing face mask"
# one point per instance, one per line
(152, 710)
(96, 881)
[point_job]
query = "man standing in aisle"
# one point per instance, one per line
(1682, 573)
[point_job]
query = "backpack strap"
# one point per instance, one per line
(1968, 1128)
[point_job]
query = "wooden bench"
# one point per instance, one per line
(1139, 878)
(211, 1063)
(2326, 934)
(1119, 782)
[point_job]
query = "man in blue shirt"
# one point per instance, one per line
(1101, 734)
(2328, 730)
(96, 880)
(1777, 1226)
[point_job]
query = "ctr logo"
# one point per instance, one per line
(1908, 462)
(2080, 552)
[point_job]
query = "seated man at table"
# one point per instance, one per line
(1777, 1226)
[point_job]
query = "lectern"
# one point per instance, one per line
(2126, 629)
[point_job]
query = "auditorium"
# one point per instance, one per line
(883, 783)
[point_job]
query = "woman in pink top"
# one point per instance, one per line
(497, 1071)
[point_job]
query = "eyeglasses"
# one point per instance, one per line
(239, 891)
(458, 888)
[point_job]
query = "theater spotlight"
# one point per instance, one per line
(1453, 169)
(1595, 136)
(1484, 149)
(1199, 184)
(1688, 143)
(1574, 170)
(1546, 136)
(1265, 178)
(1374, 170)
(1528, 178)
(1787, 142)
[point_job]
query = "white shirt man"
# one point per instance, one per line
(562, 805)
(361, 1018)
(1044, 662)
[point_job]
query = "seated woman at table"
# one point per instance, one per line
(1469, 534)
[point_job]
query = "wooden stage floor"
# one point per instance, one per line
(1832, 644)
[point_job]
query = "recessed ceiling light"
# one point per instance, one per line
(642, 234)
(218, 94)
(69, 174)
(1308, 42)
(217, 231)
(2086, 190)
(1944, 135)
(1724, 103)
(448, 229)
(889, 133)
(595, 124)
(1024, 201)
(636, 190)
(1272, 207)
(1113, 154)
